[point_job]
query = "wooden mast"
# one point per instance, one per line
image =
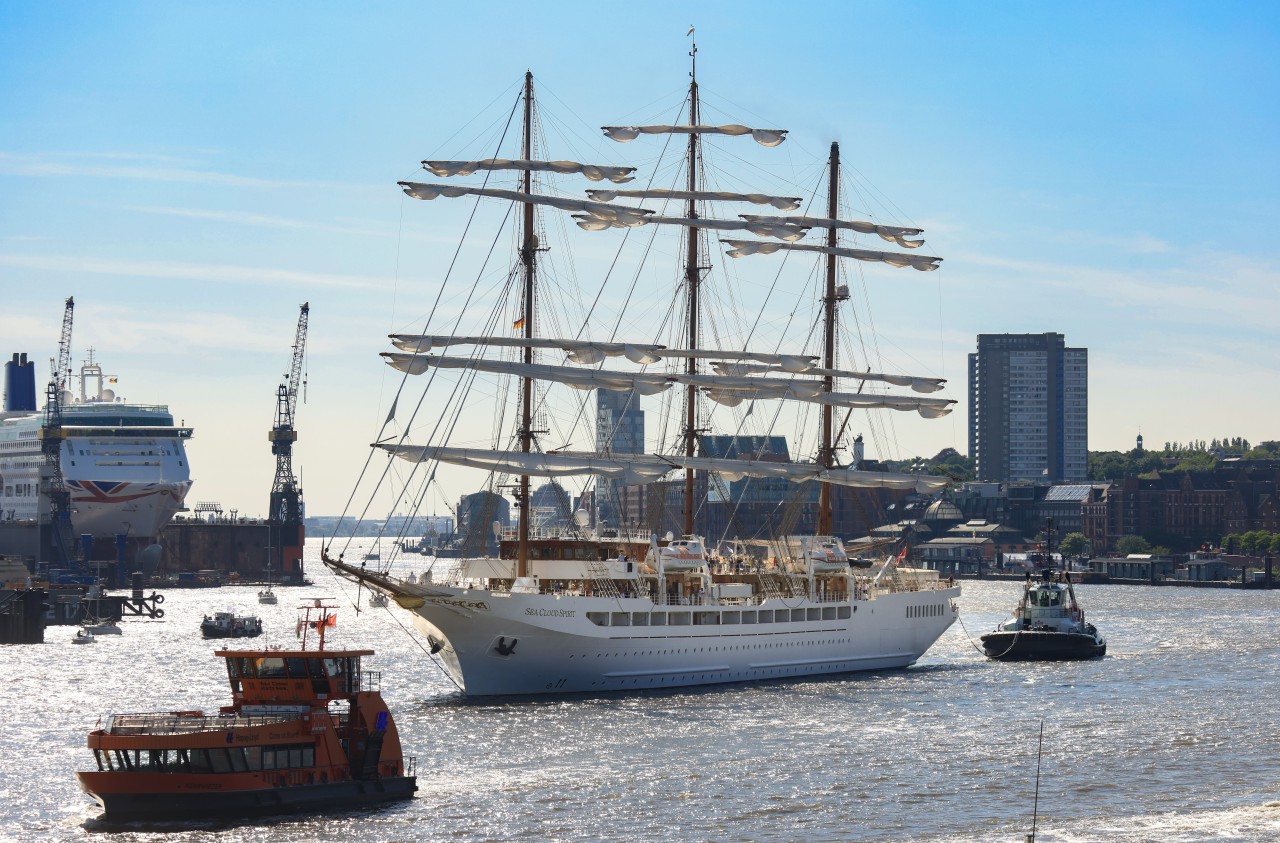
(528, 252)
(826, 454)
(692, 279)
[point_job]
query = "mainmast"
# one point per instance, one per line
(528, 253)
(826, 453)
(691, 279)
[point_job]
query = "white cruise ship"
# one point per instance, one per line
(585, 610)
(124, 464)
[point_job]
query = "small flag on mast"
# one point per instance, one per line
(519, 323)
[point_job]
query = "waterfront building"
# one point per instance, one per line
(1028, 408)
(477, 513)
(619, 430)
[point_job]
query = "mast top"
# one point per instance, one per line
(693, 53)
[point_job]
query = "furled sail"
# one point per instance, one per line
(924, 263)
(638, 469)
(782, 203)
(729, 391)
(892, 233)
(630, 470)
(645, 383)
(589, 352)
(782, 231)
(917, 383)
(594, 172)
(764, 137)
(623, 215)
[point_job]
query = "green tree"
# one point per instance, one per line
(1275, 543)
(1073, 544)
(1132, 544)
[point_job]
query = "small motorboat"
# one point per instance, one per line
(307, 731)
(231, 625)
(377, 600)
(1048, 625)
(83, 636)
(97, 626)
(267, 597)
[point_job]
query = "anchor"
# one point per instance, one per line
(505, 649)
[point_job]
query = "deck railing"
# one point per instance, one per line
(172, 723)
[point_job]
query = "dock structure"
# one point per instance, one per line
(22, 615)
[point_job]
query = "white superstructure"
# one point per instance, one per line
(124, 464)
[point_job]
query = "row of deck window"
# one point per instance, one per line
(716, 618)
(231, 759)
(931, 610)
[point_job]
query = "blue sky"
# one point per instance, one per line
(192, 173)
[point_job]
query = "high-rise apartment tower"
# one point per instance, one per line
(1029, 408)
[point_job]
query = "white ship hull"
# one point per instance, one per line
(122, 479)
(513, 643)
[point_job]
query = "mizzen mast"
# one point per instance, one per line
(826, 454)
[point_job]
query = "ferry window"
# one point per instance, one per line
(334, 667)
(184, 763)
(219, 761)
(253, 757)
(200, 761)
(297, 668)
(308, 756)
(233, 668)
(316, 666)
(270, 666)
(295, 756)
(268, 758)
(238, 763)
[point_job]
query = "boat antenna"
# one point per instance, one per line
(1035, 804)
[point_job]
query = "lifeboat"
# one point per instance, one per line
(307, 730)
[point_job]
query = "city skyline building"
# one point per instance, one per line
(1029, 408)
(619, 430)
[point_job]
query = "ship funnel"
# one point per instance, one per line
(19, 385)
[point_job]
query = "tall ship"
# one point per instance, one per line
(123, 464)
(593, 607)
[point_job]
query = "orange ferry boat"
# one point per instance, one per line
(307, 730)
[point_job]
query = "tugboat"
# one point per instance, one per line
(1048, 625)
(231, 625)
(307, 730)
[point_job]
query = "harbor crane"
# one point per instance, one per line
(52, 436)
(285, 519)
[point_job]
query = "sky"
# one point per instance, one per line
(192, 173)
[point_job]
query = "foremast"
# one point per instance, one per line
(528, 263)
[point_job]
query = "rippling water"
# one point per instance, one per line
(1169, 738)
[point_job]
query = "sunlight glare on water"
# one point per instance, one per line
(1167, 739)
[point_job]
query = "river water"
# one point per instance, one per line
(1170, 738)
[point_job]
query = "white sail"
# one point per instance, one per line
(924, 263)
(729, 391)
(621, 214)
(590, 353)
(764, 137)
(781, 231)
(630, 470)
(892, 233)
(782, 203)
(594, 172)
(639, 469)
(645, 383)
(917, 383)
